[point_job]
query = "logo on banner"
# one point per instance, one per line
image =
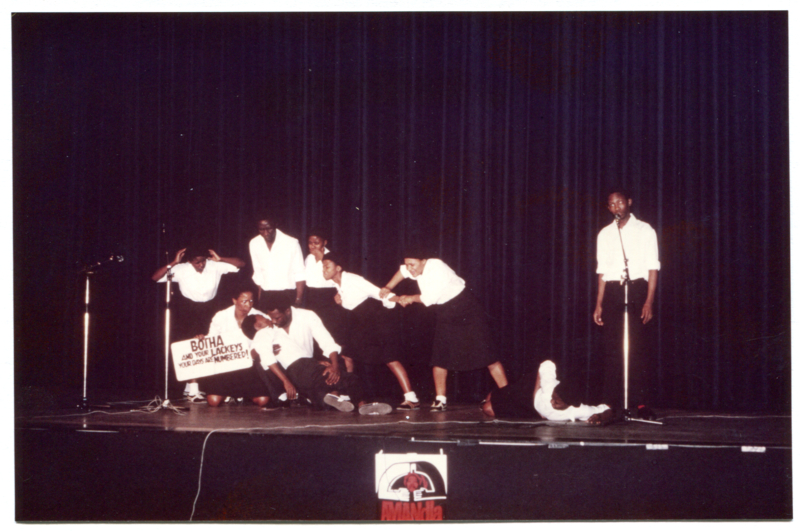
(212, 355)
(411, 487)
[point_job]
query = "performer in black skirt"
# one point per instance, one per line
(372, 335)
(260, 384)
(462, 340)
(320, 292)
(198, 279)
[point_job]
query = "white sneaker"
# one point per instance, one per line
(335, 402)
(374, 409)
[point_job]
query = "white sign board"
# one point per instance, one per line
(212, 355)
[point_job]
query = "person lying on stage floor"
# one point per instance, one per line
(542, 395)
(291, 340)
(373, 334)
(263, 382)
(462, 339)
(198, 281)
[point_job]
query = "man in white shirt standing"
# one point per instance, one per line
(640, 246)
(277, 262)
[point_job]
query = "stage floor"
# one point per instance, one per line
(460, 423)
(242, 463)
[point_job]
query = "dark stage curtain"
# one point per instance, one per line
(492, 137)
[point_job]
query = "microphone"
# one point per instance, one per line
(617, 217)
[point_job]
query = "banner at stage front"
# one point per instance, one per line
(212, 355)
(411, 487)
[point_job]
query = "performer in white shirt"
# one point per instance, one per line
(277, 261)
(291, 340)
(641, 249)
(320, 292)
(373, 334)
(543, 395)
(462, 340)
(194, 304)
(261, 382)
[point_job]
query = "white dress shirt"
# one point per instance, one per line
(314, 277)
(279, 268)
(438, 283)
(299, 341)
(224, 322)
(641, 248)
(541, 399)
(354, 290)
(199, 287)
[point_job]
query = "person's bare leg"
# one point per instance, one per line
(498, 374)
(214, 400)
(400, 374)
(440, 380)
(260, 401)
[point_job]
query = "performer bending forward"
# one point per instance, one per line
(462, 340)
(372, 336)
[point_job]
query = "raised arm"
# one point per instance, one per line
(239, 263)
(163, 270)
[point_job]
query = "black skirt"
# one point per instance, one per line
(190, 318)
(462, 341)
(372, 334)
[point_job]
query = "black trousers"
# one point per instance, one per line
(639, 342)
(307, 376)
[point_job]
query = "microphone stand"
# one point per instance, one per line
(166, 403)
(88, 270)
(626, 279)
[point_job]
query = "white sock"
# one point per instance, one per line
(411, 397)
(441, 398)
(344, 398)
(283, 397)
(193, 388)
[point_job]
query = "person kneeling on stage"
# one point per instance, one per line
(261, 382)
(540, 395)
(291, 339)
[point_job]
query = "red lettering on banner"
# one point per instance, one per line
(410, 511)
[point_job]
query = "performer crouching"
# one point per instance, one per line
(262, 382)
(373, 335)
(291, 340)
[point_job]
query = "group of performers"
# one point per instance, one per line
(351, 320)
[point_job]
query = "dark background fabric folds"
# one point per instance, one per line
(491, 137)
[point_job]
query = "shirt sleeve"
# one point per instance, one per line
(404, 271)
(254, 258)
(603, 265)
(651, 247)
(375, 293)
(224, 267)
(215, 328)
(322, 336)
(436, 280)
(262, 344)
(176, 270)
